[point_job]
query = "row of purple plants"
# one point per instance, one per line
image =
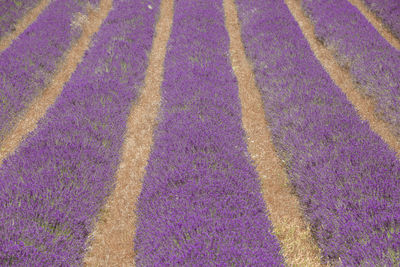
(53, 187)
(11, 11)
(346, 177)
(388, 11)
(201, 203)
(372, 61)
(28, 64)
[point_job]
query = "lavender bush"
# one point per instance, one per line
(201, 203)
(372, 61)
(346, 177)
(27, 66)
(388, 11)
(11, 11)
(54, 185)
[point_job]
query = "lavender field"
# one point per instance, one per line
(199, 133)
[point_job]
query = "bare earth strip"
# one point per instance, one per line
(377, 23)
(22, 24)
(37, 109)
(342, 78)
(113, 235)
(299, 248)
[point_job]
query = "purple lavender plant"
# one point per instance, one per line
(346, 177)
(372, 61)
(201, 203)
(388, 11)
(11, 11)
(52, 188)
(28, 64)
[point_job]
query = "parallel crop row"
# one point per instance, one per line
(27, 65)
(52, 188)
(11, 11)
(201, 202)
(373, 63)
(388, 11)
(346, 177)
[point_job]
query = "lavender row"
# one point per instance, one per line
(28, 64)
(11, 11)
(201, 202)
(52, 188)
(346, 177)
(373, 62)
(388, 11)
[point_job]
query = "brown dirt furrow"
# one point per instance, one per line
(342, 78)
(37, 109)
(7, 39)
(114, 232)
(298, 246)
(377, 23)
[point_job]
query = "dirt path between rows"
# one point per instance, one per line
(299, 248)
(22, 24)
(37, 109)
(377, 23)
(114, 233)
(342, 78)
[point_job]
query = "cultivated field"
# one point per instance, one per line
(200, 133)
